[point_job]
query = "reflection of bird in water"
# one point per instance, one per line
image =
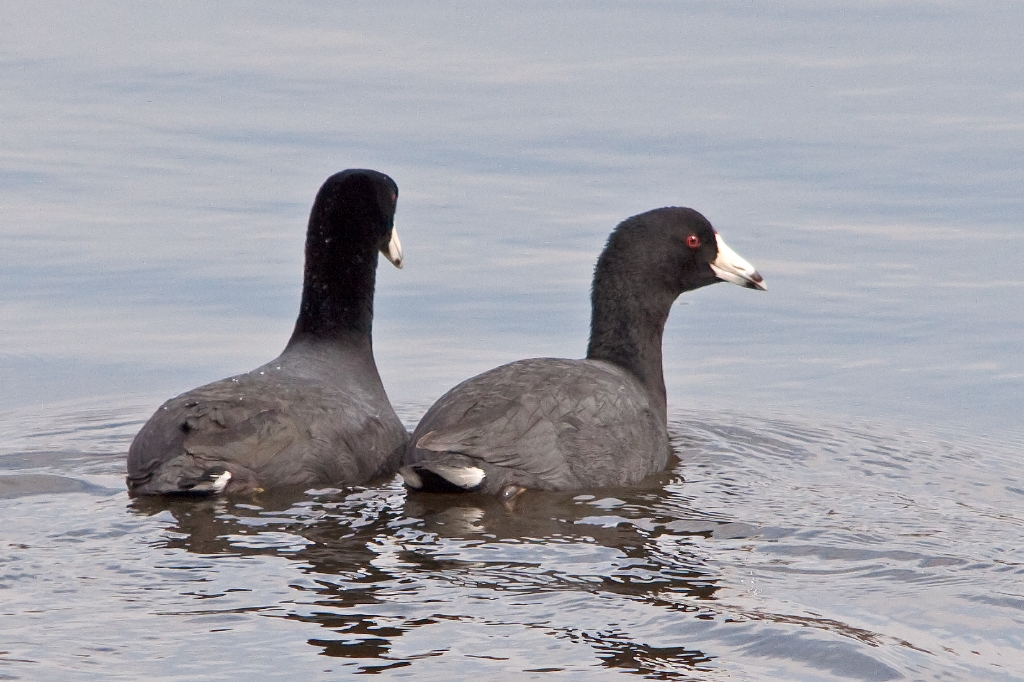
(373, 568)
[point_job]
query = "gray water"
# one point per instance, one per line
(847, 500)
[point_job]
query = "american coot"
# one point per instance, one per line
(555, 424)
(315, 415)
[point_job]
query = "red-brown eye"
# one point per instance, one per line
(693, 241)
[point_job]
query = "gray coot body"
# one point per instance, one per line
(315, 415)
(554, 424)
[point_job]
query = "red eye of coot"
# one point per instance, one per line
(693, 241)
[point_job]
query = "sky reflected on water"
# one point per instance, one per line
(158, 165)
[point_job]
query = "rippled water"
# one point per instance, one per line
(848, 498)
(774, 548)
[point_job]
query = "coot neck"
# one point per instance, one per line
(337, 291)
(627, 322)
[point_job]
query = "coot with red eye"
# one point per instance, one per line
(554, 424)
(315, 415)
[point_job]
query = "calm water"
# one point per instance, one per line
(848, 501)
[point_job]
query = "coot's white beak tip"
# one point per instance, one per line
(729, 266)
(393, 251)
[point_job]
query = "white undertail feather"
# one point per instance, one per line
(462, 477)
(410, 477)
(216, 486)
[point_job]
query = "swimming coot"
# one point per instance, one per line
(318, 413)
(556, 424)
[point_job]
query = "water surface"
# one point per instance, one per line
(774, 549)
(846, 504)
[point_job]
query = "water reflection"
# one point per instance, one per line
(775, 548)
(449, 571)
(369, 548)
